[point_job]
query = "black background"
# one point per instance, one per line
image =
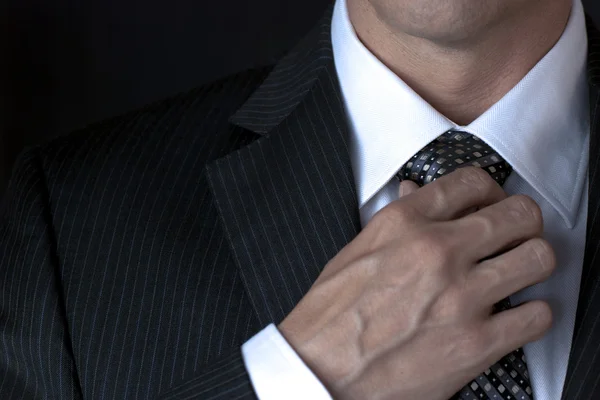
(67, 63)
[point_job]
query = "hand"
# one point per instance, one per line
(405, 310)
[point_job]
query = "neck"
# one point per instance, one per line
(463, 78)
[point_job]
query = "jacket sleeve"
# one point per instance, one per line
(36, 360)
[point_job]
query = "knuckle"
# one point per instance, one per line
(524, 207)
(440, 198)
(542, 316)
(484, 224)
(491, 274)
(394, 214)
(537, 321)
(543, 255)
(475, 178)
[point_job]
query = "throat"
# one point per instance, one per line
(463, 79)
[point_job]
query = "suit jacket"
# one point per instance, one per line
(137, 255)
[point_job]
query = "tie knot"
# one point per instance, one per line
(453, 149)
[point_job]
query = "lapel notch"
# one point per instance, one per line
(287, 200)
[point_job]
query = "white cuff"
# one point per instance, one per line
(277, 372)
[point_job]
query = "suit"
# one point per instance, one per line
(137, 255)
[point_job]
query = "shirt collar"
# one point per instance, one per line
(540, 127)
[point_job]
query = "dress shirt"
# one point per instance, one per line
(541, 127)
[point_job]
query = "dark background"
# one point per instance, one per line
(67, 63)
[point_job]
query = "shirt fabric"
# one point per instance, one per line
(541, 127)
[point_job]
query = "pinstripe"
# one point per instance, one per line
(205, 304)
(179, 326)
(304, 202)
(37, 284)
(237, 317)
(13, 246)
(143, 239)
(101, 290)
(196, 291)
(226, 310)
(305, 170)
(220, 371)
(219, 380)
(94, 267)
(110, 247)
(81, 176)
(126, 273)
(276, 266)
(155, 284)
(235, 250)
(594, 352)
(340, 125)
(337, 157)
(187, 242)
(248, 331)
(10, 297)
(212, 327)
(19, 215)
(146, 249)
(296, 216)
(28, 280)
(288, 225)
(227, 391)
(52, 325)
(592, 214)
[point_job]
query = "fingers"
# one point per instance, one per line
(497, 278)
(451, 195)
(516, 327)
(407, 187)
(500, 226)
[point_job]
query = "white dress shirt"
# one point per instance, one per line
(541, 127)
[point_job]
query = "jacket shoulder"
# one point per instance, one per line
(195, 121)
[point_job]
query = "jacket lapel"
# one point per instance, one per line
(288, 200)
(583, 373)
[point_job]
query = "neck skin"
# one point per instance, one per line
(462, 79)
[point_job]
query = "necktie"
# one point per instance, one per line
(507, 379)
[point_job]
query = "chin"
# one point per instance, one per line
(448, 21)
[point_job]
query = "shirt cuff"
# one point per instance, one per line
(276, 370)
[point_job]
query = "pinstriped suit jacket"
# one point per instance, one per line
(136, 256)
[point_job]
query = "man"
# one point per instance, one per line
(248, 239)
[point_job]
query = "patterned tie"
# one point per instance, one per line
(507, 379)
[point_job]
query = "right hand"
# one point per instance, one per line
(405, 310)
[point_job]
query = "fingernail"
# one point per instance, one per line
(401, 189)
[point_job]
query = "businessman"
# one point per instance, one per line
(404, 207)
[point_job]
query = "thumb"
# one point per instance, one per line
(407, 187)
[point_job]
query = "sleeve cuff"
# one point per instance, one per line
(276, 370)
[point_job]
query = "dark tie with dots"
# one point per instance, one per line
(508, 378)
